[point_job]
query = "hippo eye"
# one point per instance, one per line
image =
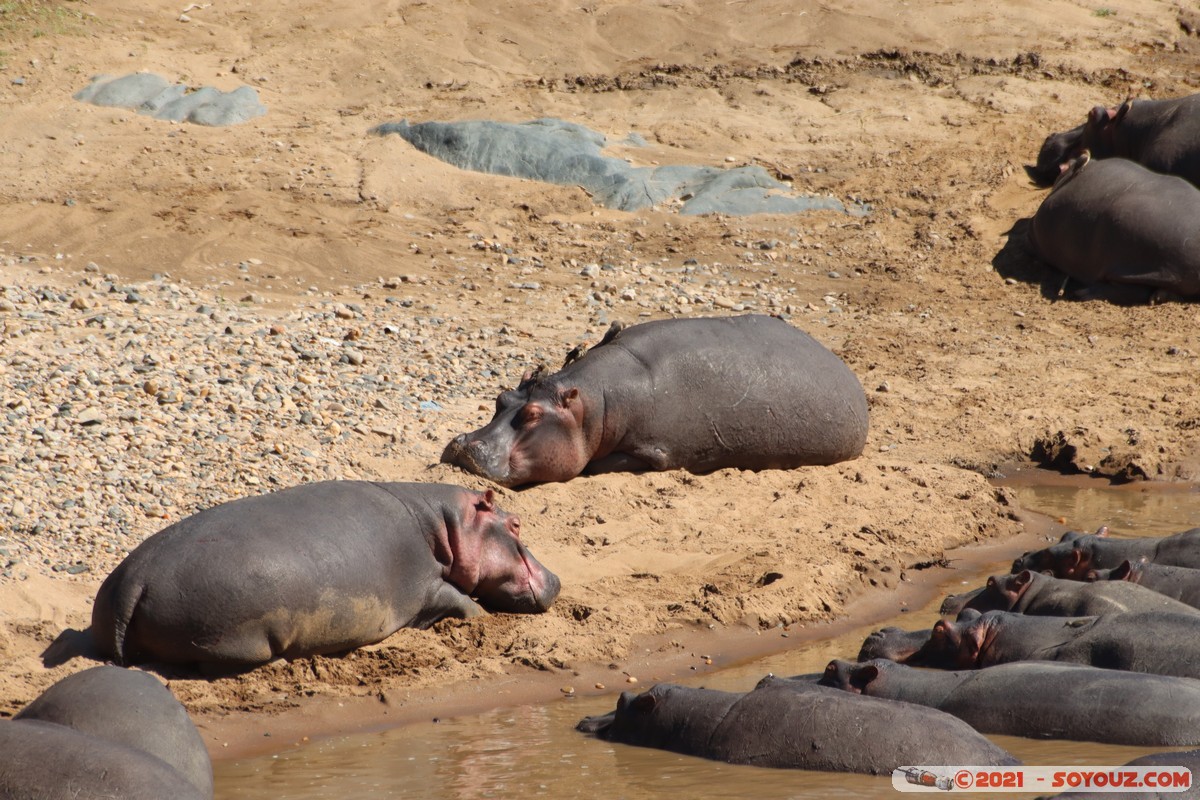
(529, 415)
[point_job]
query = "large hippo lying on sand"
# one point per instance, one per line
(793, 724)
(1040, 699)
(1035, 593)
(1078, 553)
(1124, 233)
(104, 732)
(1155, 642)
(1161, 135)
(699, 394)
(318, 568)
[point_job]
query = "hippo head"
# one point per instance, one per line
(1071, 558)
(894, 644)
(537, 435)
(1125, 571)
(1057, 150)
(486, 559)
(632, 721)
(956, 644)
(955, 603)
(849, 676)
(1101, 125)
(1001, 593)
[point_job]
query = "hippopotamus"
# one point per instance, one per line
(1036, 593)
(1124, 233)
(1178, 583)
(130, 708)
(1157, 642)
(53, 762)
(1040, 699)
(317, 568)
(1161, 135)
(1078, 553)
(699, 394)
(793, 725)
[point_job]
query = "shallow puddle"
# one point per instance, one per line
(534, 751)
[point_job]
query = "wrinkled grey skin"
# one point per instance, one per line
(1178, 583)
(1078, 553)
(1040, 699)
(130, 708)
(794, 725)
(318, 568)
(1161, 135)
(698, 394)
(1122, 232)
(44, 761)
(1156, 642)
(1036, 593)
(1187, 759)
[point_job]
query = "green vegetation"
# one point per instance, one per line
(24, 18)
(1105, 12)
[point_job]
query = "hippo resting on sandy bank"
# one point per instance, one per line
(1030, 592)
(1076, 554)
(104, 732)
(1124, 233)
(1161, 135)
(793, 724)
(318, 568)
(750, 392)
(1157, 642)
(1040, 699)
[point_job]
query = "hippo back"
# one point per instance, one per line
(749, 391)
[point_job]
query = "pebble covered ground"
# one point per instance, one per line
(128, 405)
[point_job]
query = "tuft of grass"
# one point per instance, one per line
(37, 18)
(1104, 12)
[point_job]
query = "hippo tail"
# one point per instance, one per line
(112, 612)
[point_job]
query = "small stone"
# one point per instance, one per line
(723, 302)
(568, 690)
(90, 416)
(600, 686)
(631, 679)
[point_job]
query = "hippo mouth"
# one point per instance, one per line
(597, 725)
(459, 453)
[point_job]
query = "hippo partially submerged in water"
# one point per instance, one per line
(793, 724)
(699, 394)
(318, 568)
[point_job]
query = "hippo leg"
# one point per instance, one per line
(616, 462)
(447, 601)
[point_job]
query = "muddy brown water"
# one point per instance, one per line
(534, 751)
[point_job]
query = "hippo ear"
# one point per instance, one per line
(1101, 531)
(1124, 572)
(487, 501)
(644, 703)
(1122, 111)
(1021, 579)
(1098, 115)
(863, 677)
